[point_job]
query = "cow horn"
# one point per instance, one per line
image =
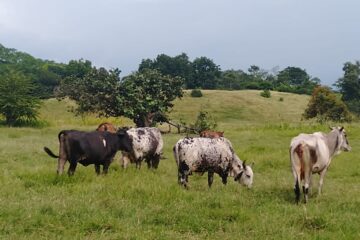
(342, 128)
(244, 165)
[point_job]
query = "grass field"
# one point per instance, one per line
(146, 204)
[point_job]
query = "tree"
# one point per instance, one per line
(145, 97)
(294, 79)
(148, 95)
(205, 73)
(16, 98)
(325, 105)
(349, 86)
(97, 91)
(178, 66)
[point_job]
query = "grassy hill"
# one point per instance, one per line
(145, 204)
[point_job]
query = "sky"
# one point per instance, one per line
(316, 35)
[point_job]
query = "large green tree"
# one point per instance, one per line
(145, 96)
(17, 101)
(206, 73)
(297, 80)
(349, 86)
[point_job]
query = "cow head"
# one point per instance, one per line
(242, 173)
(343, 142)
(125, 142)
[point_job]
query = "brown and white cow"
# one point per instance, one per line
(87, 148)
(211, 134)
(312, 153)
(210, 155)
(146, 144)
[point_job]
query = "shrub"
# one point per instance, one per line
(204, 121)
(281, 99)
(17, 102)
(196, 93)
(266, 93)
(326, 105)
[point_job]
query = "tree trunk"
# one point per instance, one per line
(145, 120)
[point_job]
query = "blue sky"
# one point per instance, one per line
(316, 35)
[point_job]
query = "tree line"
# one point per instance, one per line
(145, 95)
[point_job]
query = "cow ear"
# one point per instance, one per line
(252, 164)
(331, 128)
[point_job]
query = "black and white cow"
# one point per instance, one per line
(146, 144)
(88, 148)
(210, 155)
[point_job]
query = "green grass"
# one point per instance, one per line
(145, 204)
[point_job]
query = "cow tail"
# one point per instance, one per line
(50, 153)
(301, 153)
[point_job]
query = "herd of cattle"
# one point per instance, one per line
(211, 152)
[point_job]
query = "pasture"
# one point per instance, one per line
(148, 204)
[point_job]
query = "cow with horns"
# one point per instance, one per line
(312, 153)
(212, 155)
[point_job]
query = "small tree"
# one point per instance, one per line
(325, 105)
(16, 98)
(204, 121)
(266, 93)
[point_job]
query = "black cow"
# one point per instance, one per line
(86, 148)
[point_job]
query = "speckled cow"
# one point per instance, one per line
(147, 144)
(210, 155)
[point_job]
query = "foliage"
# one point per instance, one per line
(349, 86)
(204, 121)
(196, 93)
(146, 94)
(325, 105)
(266, 93)
(17, 102)
(145, 97)
(295, 80)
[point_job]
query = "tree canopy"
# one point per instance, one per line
(349, 86)
(16, 99)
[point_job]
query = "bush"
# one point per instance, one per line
(266, 93)
(204, 122)
(17, 102)
(326, 105)
(281, 99)
(196, 93)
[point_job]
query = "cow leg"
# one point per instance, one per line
(224, 179)
(210, 178)
(97, 169)
(72, 168)
(307, 180)
(155, 161)
(138, 163)
(148, 161)
(106, 167)
(62, 155)
(297, 186)
(321, 181)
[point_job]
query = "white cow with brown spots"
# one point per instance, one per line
(312, 153)
(214, 155)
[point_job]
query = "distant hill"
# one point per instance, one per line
(231, 109)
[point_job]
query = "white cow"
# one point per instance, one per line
(312, 153)
(210, 155)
